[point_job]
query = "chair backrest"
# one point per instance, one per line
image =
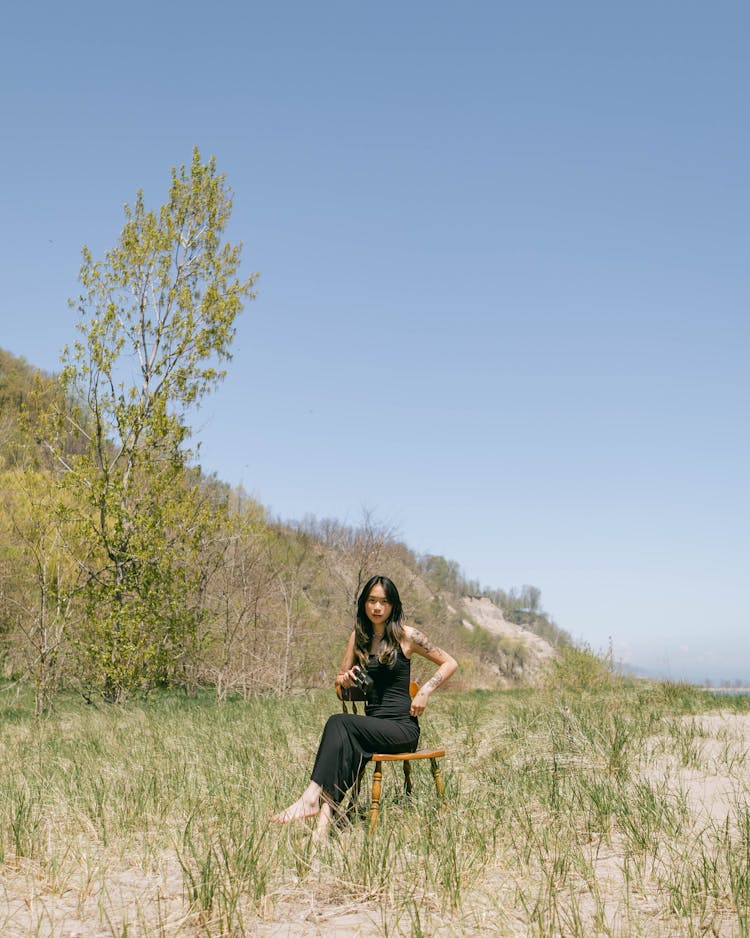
(354, 694)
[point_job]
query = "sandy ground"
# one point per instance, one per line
(710, 792)
(103, 899)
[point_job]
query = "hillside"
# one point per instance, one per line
(272, 601)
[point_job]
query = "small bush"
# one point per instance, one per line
(579, 668)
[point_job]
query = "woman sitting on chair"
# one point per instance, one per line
(380, 646)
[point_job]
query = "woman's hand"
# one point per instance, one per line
(418, 703)
(346, 679)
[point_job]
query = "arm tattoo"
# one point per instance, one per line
(419, 638)
(435, 681)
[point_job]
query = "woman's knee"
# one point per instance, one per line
(337, 723)
(340, 719)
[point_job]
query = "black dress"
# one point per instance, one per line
(349, 740)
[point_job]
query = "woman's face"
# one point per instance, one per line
(377, 607)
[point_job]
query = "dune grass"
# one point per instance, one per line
(568, 813)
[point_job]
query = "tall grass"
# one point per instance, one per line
(569, 813)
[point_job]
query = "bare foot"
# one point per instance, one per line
(298, 811)
(320, 835)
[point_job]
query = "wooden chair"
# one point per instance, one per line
(354, 694)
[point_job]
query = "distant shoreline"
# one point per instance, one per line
(723, 690)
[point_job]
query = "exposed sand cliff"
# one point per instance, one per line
(537, 651)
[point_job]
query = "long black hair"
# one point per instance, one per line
(394, 630)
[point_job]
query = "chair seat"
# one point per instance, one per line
(407, 756)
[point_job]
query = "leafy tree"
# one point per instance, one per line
(157, 318)
(38, 581)
(25, 395)
(443, 574)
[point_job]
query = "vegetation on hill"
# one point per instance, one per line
(123, 567)
(269, 607)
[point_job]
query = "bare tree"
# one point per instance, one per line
(354, 554)
(239, 586)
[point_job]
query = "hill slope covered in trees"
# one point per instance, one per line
(274, 600)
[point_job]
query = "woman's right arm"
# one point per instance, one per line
(345, 676)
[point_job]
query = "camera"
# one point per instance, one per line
(362, 680)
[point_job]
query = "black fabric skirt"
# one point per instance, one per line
(349, 740)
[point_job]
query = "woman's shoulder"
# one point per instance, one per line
(415, 640)
(407, 640)
(413, 634)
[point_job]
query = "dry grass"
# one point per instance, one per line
(618, 811)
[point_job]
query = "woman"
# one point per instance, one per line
(382, 646)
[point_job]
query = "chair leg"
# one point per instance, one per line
(407, 776)
(377, 779)
(439, 786)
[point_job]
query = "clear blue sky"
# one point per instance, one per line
(504, 274)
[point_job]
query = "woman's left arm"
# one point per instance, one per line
(419, 644)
